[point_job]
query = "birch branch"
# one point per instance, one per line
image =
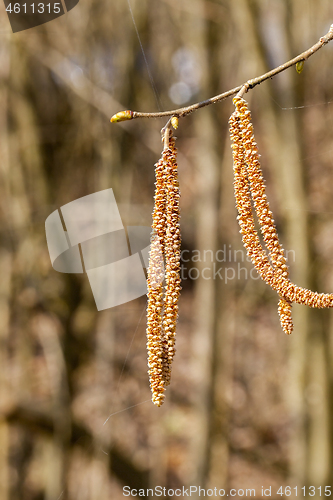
(250, 84)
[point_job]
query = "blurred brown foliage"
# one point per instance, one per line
(247, 406)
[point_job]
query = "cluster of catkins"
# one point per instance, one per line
(162, 309)
(249, 189)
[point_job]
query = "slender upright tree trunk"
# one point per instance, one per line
(206, 172)
(5, 261)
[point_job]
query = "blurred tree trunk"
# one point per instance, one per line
(29, 192)
(329, 381)
(204, 304)
(289, 183)
(315, 404)
(5, 262)
(309, 437)
(282, 142)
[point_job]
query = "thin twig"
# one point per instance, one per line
(250, 84)
(166, 135)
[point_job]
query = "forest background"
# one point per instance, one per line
(247, 406)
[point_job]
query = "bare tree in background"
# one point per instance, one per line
(247, 406)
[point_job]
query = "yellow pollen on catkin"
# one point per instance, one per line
(284, 310)
(162, 308)
(155, 289)
(172, 257)
(249, 190)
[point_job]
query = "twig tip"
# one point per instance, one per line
(122, 116)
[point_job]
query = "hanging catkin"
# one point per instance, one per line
(162, 309)
(172, 257)
(155, 341)
(249, 181)
(257, 186)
